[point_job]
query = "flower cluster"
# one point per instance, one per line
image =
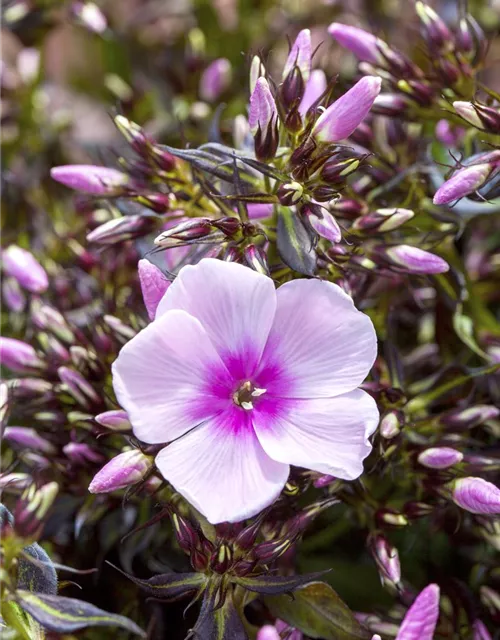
(250, 324)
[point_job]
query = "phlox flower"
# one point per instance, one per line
(244, 380)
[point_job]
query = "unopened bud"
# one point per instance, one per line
(187, 537)
(14, 482)
(290, 193)
(256, 258)
(51, 319)
(481, 116)
(222, 559)
(490, 599)
(387, 558)
(22, 265)
(263, 120)
(29, 438)
(28, 388)
(194, 229)
(121, 229)
(257, 70)
(412, 259)
(215, 80)
(383, 220)
(391, 518)
(335, 170)
(435, 30)
(90, 16)
(470, 417)
(322, 222)
(391, 423)
(80, 453)
(13, 295)
(414, 510)
(98, 181)
(153, 285)
(390, 104)
(76, 385)
(120, 330)
(480, 632)
(467, 180)
(268, 552)
(19, 356)
(421, 618)
(476, 495)
(440, 457)
(126, 469)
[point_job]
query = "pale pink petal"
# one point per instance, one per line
(421, 618)
(153, 285)
(222, 470)
(328, 435)
(235, 305)
(320, 345)
(169, 378)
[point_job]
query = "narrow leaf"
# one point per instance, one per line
(274, 585)
(65, 615)
(295, 245)
(318, 612)
(169, 586)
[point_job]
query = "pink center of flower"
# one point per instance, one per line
(246, 394)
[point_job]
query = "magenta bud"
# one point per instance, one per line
(13, 295)
(300, 56)
(470, 417)
(315, 88)
(28, 388)
(479, 631)
(439, 457)
(19, 356)
(29, 438)
(76, 385)
(324, 481)
(114, 420)
(32, 508)
(268, 632)
(192, 229)
(21, 265)
(414, 260)
(122, 471)
(387, 558)
(421, 618)
(322, 222)
(153, 285)
(80, 453)
(476, 495)
(383, 220)
(98, 181)
(435, 30)
(121, 229)
(215, 80)
(256, 258)
(263, 120)
(50, 319)
(465, 181)
(345, 114)
(364, 45)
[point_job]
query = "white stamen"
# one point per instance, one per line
(258, 392)
(247, 406)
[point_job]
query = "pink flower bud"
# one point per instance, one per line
(435, 30)
(448, 134)
(13, 296)
(262, 112)
(99, 181)
(440, 457)
(467, 112)
(421, 618)
(90, 16)
(315, 87)
(476, 495)
(28, 438)
(470, 417)
(387, 558)
(363, 44)
(77, 386)
(121, 229)
(322, 222)
(463, 182)
(81, 453)
(390, 424)
(345, 114)
(481, 116)
(300, 56)
(191, 229)
(153, 285)
(383, 220)
(125, 469)
(268, 632)
(215, 80)
(114, 420)
(19, 356)
(257, 70)
(415, 260)
(479, 631)
(21, 265)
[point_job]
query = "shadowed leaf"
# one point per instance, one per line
(65, 615)
(169, 586)
(317, 611)
(221, 623)
(295, 245)
(274, 585)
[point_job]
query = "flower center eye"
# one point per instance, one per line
(245, 395)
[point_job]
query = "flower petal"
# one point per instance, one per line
(320, 345)
(168, 378)
(328, 435)
(222, 470)
(235, 305)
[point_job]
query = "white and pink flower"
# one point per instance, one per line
(244, 380)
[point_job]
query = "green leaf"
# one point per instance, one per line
(295, 245)
(169, 586)
(65, 615)
(317, 611)
(222, 623)
(274, 585)
(464, 328)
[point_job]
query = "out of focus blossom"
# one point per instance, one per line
(22, 265)
(98, 181)
(215, 79)
(19, 356)
(439, 457)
